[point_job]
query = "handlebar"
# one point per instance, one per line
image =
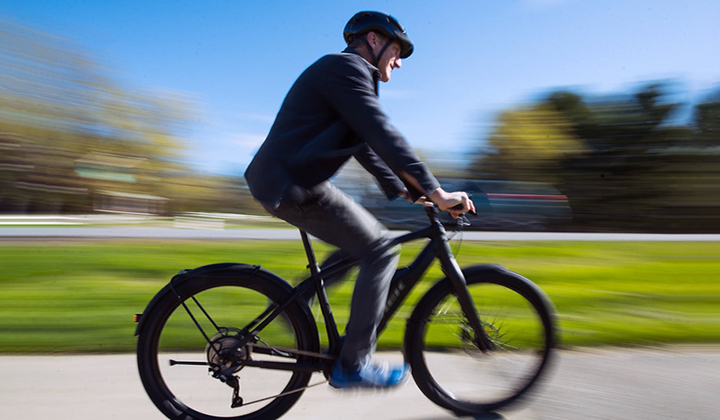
(460, 206)
(456, 207)
(434, 205)
(434, 209)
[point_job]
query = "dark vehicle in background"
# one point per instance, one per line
(501, 205)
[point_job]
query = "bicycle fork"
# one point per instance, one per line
(453, 272)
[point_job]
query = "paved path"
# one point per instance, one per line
(659, 384)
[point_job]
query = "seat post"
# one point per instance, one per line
(312, 262)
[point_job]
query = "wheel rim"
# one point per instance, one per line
(467, 379)
(201, 384)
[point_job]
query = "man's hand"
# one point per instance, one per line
(405, 195)
(448, 200)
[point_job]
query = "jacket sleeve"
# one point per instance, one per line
(391, 185)
(348, 85)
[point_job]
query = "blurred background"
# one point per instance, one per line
(555, 115)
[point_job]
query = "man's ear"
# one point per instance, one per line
(373, 39)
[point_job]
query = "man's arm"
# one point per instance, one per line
(391, 185)
(347, 84)
(349, 87)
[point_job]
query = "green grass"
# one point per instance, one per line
(79, 296)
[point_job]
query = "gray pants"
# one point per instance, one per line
(332, 216)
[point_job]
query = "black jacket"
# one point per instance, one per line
(331, 113)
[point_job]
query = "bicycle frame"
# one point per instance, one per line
(402, 283)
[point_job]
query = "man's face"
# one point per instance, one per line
(390, 60)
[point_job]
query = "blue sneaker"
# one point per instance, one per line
(370, 376)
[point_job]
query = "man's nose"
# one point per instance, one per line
(398, 63)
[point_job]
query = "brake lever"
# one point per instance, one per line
(463, 221)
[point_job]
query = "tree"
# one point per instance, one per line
(528, 144)
(619, 159)
(707, 122)
(69, 132)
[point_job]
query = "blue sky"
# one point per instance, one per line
(473, 58)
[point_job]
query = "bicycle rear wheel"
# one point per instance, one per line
(188, 354)
(448, 366)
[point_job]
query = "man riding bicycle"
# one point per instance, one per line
(330, 114)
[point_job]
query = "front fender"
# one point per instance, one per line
(220, 269)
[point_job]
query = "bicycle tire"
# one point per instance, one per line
(450, 369)
(232, 298)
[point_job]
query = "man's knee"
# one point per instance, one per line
(382, 251)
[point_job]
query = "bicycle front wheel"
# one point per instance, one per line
(447, 364)
(189, 357)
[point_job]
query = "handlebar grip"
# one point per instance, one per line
(455, 207)
(460, 206)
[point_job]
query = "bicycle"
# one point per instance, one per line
(236, 319)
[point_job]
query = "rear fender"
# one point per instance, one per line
(220, 269)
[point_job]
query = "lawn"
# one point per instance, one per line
(80, 295)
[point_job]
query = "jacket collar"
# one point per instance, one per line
(374, 70)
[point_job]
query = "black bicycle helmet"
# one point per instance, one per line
(364, 22)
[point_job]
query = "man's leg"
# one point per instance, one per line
(334, 217)
(368, 303)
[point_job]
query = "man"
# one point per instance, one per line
(330, 114)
